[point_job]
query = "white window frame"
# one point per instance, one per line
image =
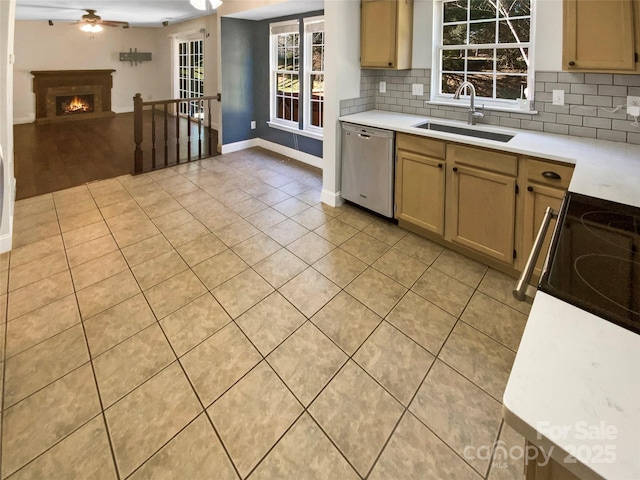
(520, 105)
(287, 27)
(311, 26)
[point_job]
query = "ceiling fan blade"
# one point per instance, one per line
(113, 23)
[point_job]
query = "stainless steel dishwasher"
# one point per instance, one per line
(367, 167)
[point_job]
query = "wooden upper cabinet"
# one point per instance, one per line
(386, 34)
(600, 36)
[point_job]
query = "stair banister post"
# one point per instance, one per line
(137, 134)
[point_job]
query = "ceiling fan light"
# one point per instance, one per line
(215, 3)
(199, 4)
(91, 28)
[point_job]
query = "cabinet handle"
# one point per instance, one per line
(551, 175)
(572, 63)
(390, 64)
(455, 169)
(525, 277)
(439, 165)
(529, 189)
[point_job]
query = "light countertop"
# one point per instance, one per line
(575, 382)
(609, 170)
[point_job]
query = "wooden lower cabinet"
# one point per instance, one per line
(536, 200)
(481, 210)
(485, 201)
(545, 470)
(420, 188)
(545, 184)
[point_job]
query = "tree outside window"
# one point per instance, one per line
(486, 42)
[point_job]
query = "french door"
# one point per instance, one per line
(191, 75)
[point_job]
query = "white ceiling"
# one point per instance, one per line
(147, 13)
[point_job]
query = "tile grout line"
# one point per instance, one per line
(294, 331)
(193, 390)
(93, 370)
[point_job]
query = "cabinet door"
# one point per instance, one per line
(420, 191)
(378, 33)
(481, 211)
(599, 35)
(536, 200)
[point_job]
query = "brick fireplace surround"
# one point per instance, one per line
(49, 84)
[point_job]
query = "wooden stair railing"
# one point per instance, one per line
(171, 107)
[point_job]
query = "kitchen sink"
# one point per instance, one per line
(469, 132)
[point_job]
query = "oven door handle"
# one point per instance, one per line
(525, 277)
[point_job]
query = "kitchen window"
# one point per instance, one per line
(297, 76)
(488, 43)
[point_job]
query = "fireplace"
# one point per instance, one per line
(74, 104)
(63, 95)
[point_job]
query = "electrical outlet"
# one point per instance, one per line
(633, 101)
(558, 97)
(253, 124)
(417, 89)
(383, 87)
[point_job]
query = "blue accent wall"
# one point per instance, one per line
(237, 80)
(245, 83)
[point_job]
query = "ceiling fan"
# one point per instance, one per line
(92, 23)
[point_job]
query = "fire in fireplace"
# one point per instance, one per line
(74, 104)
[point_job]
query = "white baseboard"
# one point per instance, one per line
(6, 240)
(274, 147)
(122, 109)
(291, 152)
(27, 119)
(333, 199)
(237, 146)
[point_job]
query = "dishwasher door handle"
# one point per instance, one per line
(366, 137)
(523, 281)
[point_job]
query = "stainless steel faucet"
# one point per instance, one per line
(473, 114)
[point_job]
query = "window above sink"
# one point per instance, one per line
(489, 44)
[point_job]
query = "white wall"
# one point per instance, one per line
(64, 47)
(342, 81)
(7, 15)
(548, 35)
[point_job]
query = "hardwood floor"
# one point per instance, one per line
(54, 156)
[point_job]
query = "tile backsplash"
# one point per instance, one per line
(590, 108)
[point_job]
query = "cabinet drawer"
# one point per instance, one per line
(547, 173)
(421, 145)
(485, 159)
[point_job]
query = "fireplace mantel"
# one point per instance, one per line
(47, 84)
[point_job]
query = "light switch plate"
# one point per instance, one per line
(558, 97)
(417, 89)
(383, 87)
(253, 124)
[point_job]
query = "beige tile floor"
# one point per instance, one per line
(214, 320)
